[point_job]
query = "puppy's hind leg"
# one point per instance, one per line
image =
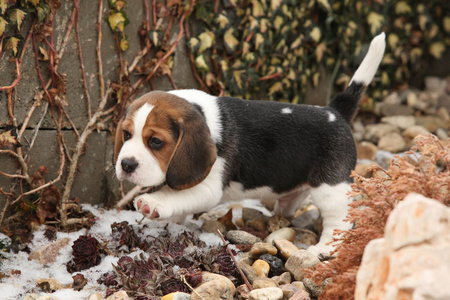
(333, 201)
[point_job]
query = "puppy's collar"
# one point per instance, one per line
(152, 189)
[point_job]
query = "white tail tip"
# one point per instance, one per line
(366, 71)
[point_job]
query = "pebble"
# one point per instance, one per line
(245, 258)
(366, 150)
(307, 220)
(306, 236)
(261, 267)
(300, 260)
(314, 289)
(49, 284)
(214, 286)
(96, 296)
(47, 254)
(277, 222)
(275, 263)
(212, 226)
(259, 249)
(251, 213)
(288, 290)
(374, 132)
(283, 279)
(257, 223)
(414, 131)
(442, 113)
(33, 296)
(47, 297)
(270, 293)
(401, 122)
(442, 134)
(242, 291)
(431, 123)
(120, 295)
(392, 142)
(242, 237)
(249, 272)
(286, 247)
(176, 296)
(300, 295)
(283, 233)
(263, 282)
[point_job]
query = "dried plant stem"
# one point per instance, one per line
(183, 278)
(36, 130)
(16, 81)
(128, 197)
(99, 49)
(247, 283)
(76, 156)
(80, 55)
(172, 49)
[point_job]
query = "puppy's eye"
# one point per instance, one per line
(126, 135)
(155, 143)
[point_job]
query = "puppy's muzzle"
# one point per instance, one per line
(129, 165)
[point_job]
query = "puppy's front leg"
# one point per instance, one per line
(167, 203)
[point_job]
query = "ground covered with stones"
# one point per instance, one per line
(261, 255)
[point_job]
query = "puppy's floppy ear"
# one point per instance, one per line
(194, 154)
(118, 143)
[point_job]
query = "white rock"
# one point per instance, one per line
(270, 293)
(412, 261)
(392, 142)
(283, 233)
(401, 122)
(374, 132)
(414, 131)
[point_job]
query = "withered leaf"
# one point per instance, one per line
(49, 204)
(8, 137)
(227, 220)
(17, 16)
(15, 44)
(79, 281)
(3, 24)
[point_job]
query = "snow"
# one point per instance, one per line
(18, 286)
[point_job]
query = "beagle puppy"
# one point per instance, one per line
(196, 149)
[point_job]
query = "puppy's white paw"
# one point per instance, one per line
(152, 206)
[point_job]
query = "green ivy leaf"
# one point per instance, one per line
(155, 36)
(230, 40)
(436, 49)
(117, 4)
(402, 8)
(42, 11)
(3, 6)
(3, 24)
(124, 44)
(194, 44)
(206, 40)
(17, 16)
(15, 44)
(33, 2)
(200, 64)
(258, 9)
(117, 21)
(375, 21)
(223, 21)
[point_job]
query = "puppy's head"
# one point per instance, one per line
(162, 137)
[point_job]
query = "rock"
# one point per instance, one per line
(442, 113)
(314, 289)
(33, 296)
(412, 261)
(300, 295)
(257, 224)
(259, 249)
(243, 292)
(442, 134)
(277, 222)
(283, 233)
(286, 247)
(250, 214)
(47, 297)
(212, 226)
(366, 150)
(392, 98)
(395, 110)
(401, 122)
(283, 279)
(305, 237)
(47, 254)
(444, 101)
(364, 170)
(414, 131)
(411, 99)
(308, 220)
(213, 214)
(275, 263)
(261, 267)
(176, 296)
(435, 84)
(249, 272)
(96, 296)
(245, 258)
(375, 131)
(299, 260)
(392, 142)
(120, 295)
(242, 237)
(431, 123)
(214, 286)
(263, 282)
(47, 285)
(270, 293)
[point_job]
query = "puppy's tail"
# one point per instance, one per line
(347, 102)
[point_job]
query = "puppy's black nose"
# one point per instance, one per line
(129, 164)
